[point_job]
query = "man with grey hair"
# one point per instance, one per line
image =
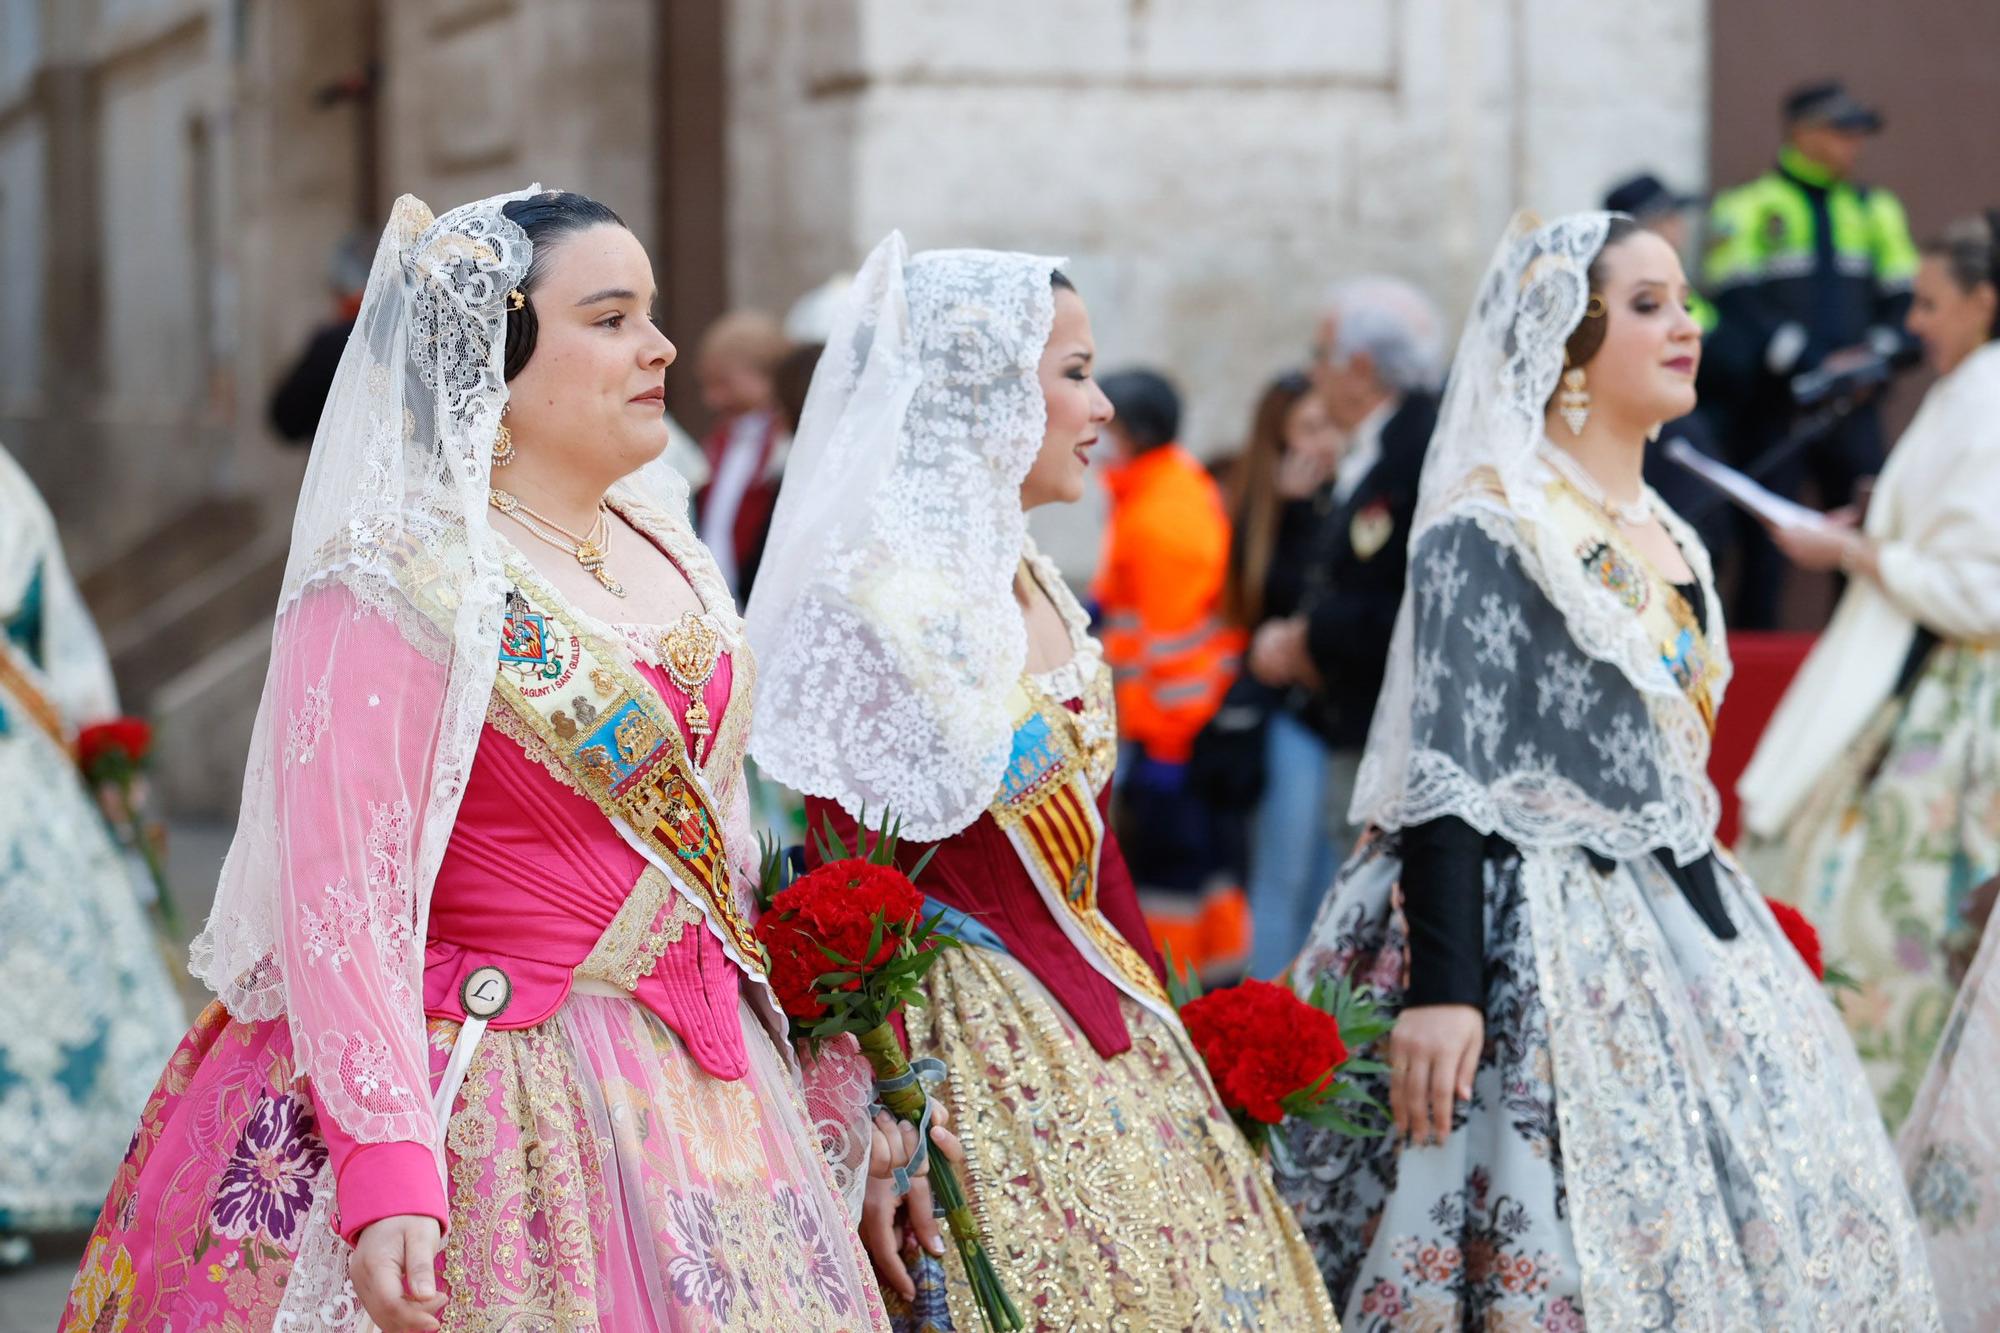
(1375, 367)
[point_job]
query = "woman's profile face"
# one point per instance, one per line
(593, 390)
(1951, 322)
(1644, 371)
(1310, 435)
(1077, 408)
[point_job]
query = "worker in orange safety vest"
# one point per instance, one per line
(1173, 655)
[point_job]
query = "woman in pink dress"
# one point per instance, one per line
(492, 1045)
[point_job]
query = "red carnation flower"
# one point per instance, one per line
(1801, 933)
(835, 909)
(1262, 1044)
(122, 740)
(794, 974)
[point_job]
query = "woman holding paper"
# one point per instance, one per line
(1874, 795)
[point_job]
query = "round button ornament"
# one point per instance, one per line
(485, 993)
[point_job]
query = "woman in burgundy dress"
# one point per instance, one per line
(921, 657)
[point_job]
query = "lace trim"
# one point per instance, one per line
(654, 917)
(509, 724)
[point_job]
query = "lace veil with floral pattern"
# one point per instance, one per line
(1608, 752)
(886, 631)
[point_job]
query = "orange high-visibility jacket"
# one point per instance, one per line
(1159, 595)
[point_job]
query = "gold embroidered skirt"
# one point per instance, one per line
(1113, 1193)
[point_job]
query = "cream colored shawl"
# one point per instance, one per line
(1935, 519)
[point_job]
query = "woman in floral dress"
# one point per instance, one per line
(1620, 1098)
(924, 659)
(1873, 801)
(492, 1046)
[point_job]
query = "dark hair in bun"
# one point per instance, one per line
(546, 218)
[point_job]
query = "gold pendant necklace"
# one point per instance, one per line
(588, 549)
(1571, 469)
(692, 650)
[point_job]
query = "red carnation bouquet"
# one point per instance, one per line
(112, 755)
(849, 946)
(1274, 1057)
(1805, 938)
(1801, 933)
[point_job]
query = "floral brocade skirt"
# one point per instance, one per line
(1668, 1130)
(1886, 851)
(598, 1180)
(1112, 1193)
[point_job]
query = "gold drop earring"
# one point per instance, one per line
(503, 440)
(1573, 403)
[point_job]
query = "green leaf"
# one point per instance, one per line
(1183, 983)
(832, 846)
(922, 861)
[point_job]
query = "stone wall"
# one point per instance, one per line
(1208, 168)
(174, 176)
(113, 189)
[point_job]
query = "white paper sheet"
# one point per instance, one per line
(1764, 503)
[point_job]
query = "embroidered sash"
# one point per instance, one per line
(1048, 808)
(618, 740)
(1685, 647)
(18, 687)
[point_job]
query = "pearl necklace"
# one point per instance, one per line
(1636, 514)
(586, 548)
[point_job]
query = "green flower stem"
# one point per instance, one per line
(906, 1101)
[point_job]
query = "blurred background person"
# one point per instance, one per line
(1665, 213)
(296, 402)
(745, 447)
(1255, 754)
(1375, 369)
(808, 323)
(790, 383)
(1874, 794)
(1810, 271)
(86, 1004)
(1172, 654)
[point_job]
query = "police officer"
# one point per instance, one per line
(1809, 271)
(1648, 201)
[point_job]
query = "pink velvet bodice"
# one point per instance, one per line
(533, 875)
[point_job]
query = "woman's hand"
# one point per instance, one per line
(1825, 548)
(393, 1273)
(1433, 1051)
(1278, 654)
(1301, 472)
(894, 1142)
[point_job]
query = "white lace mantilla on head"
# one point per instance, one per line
(1503, 628)
(883, 616)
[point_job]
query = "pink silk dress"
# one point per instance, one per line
(619, 1157)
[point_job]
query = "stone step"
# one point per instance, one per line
(202, 614)
(183, 548)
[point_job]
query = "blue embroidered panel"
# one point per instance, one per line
(1033, 757)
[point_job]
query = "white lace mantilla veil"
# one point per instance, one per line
(883, 618)
(1501, 771)
(324, 899)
